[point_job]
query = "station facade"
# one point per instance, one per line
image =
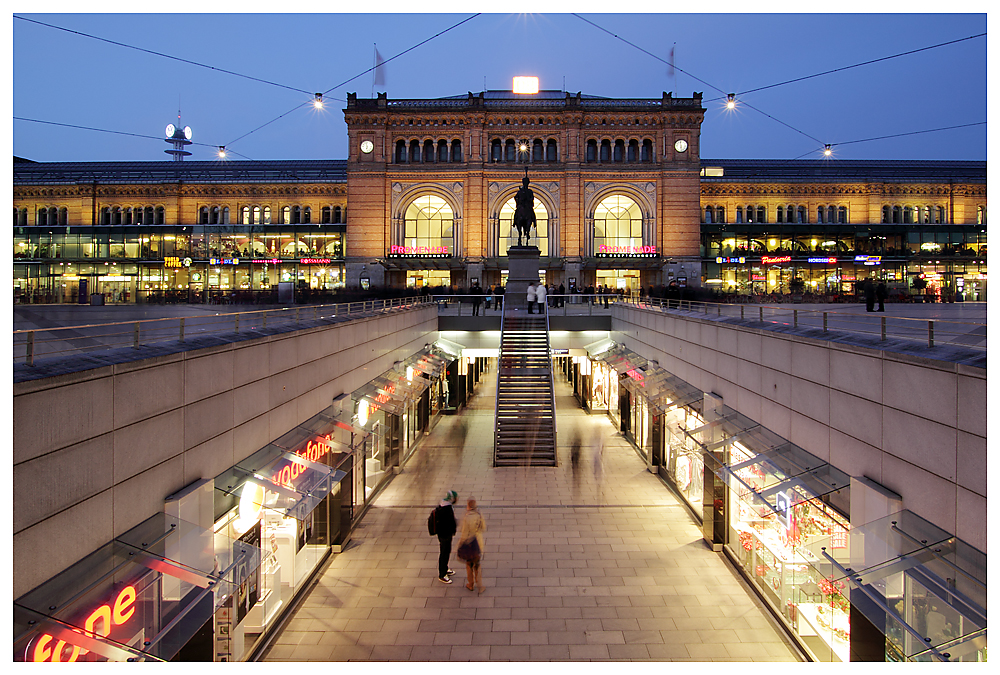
(623, 199)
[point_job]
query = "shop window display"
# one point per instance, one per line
(685, 466)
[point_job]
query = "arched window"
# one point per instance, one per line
(496, 150)
(429, 222)
(831, 214)
(43, 217)
(780, 215)
(225, 215)
(428, 151)
(647, 151)
(842, 215)
(256, 215)
(508, 234)
(456, 151)
(537, 150)
(307, 215)
(551, 151)
(127, 220)
(605, 151)
(619, 151)
(203, 215)
(296, 215)
(802, 216)
(739, 214)
(400, 155)
(592, 150)
(980, 215)
(286, 215)
(414, 152)
(159, 216)
(147, 215)
(442, 151)
(897, 215)
(820, 214)
(23, 218)
(761, 214)
(886, 214)
(633, 151)
(708, 214)
(510, 151)
(720, 214)
(617, 224)
(941, 215)
(324, 215)
(245, 215)
(214, 215)
(907, 215)
(337, 215)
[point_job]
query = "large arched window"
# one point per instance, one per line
(617, 224)
(429, 222)
(508, 235)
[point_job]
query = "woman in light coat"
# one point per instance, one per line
(473, 527)
(531, 298)
(540, 298)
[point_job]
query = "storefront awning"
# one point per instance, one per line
(924, 585)
(163, 579)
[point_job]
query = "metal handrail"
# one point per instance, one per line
(496, 399)
(552, 383)
(145, 332)
(927, 331)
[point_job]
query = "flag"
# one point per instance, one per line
(670, 70)
(379, 69)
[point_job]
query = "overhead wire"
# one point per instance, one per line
(166, 56)
(365, 72)
(120, 133)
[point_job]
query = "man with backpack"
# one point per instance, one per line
(442, 524)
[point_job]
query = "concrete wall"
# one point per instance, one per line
(96, 452)
(915, 425)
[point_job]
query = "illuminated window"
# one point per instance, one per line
(617, 223)
(508, 235)
(429, 221)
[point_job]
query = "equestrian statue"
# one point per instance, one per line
(524, 213)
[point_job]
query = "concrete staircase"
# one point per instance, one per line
(525, 411)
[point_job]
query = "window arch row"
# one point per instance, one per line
(910, 214)
(792, 213)
(333, 214)
(533, 150)
(213, 215)
(625, 150)
(46, 215)
(751, 213)
(416, 151)
(714, 214)
(132, 215)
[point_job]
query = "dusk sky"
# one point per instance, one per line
(67, 78)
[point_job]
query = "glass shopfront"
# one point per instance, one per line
(152, 594)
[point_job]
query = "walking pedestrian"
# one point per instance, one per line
(881, 293)
(561, 301)
(531, 298)
(499, 294)
(445, 527)
(540, 297)
(471, 545)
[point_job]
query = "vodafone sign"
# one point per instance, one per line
(98, 624)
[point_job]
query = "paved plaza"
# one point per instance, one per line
(592, 560)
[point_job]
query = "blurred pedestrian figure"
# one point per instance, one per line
(531, 298)
(881, 293)
(599, 461)
(445, 527)
(477, 298)
(499, 294)
(471, 544)
(540, 297)
(869, 295)
(574, 451)
(562, 292)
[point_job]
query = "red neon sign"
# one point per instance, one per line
(312, 451)
(98, 623)
(634, 374)
(768, 260)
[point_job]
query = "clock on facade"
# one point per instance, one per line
(367, 146)
(681, 145)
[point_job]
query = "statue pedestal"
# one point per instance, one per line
(522, 270)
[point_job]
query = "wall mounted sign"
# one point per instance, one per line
(313, 451)
(868, 259)
(722, 261)
(829, 261)
(419, 252)
(770, 260)
(314, 261)
(266, 261)
(224, 261)
(99, 622)
(171, 261)
(626, 251)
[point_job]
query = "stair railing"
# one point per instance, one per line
(552, 382)
(496, 402)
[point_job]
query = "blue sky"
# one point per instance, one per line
(71, 79)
